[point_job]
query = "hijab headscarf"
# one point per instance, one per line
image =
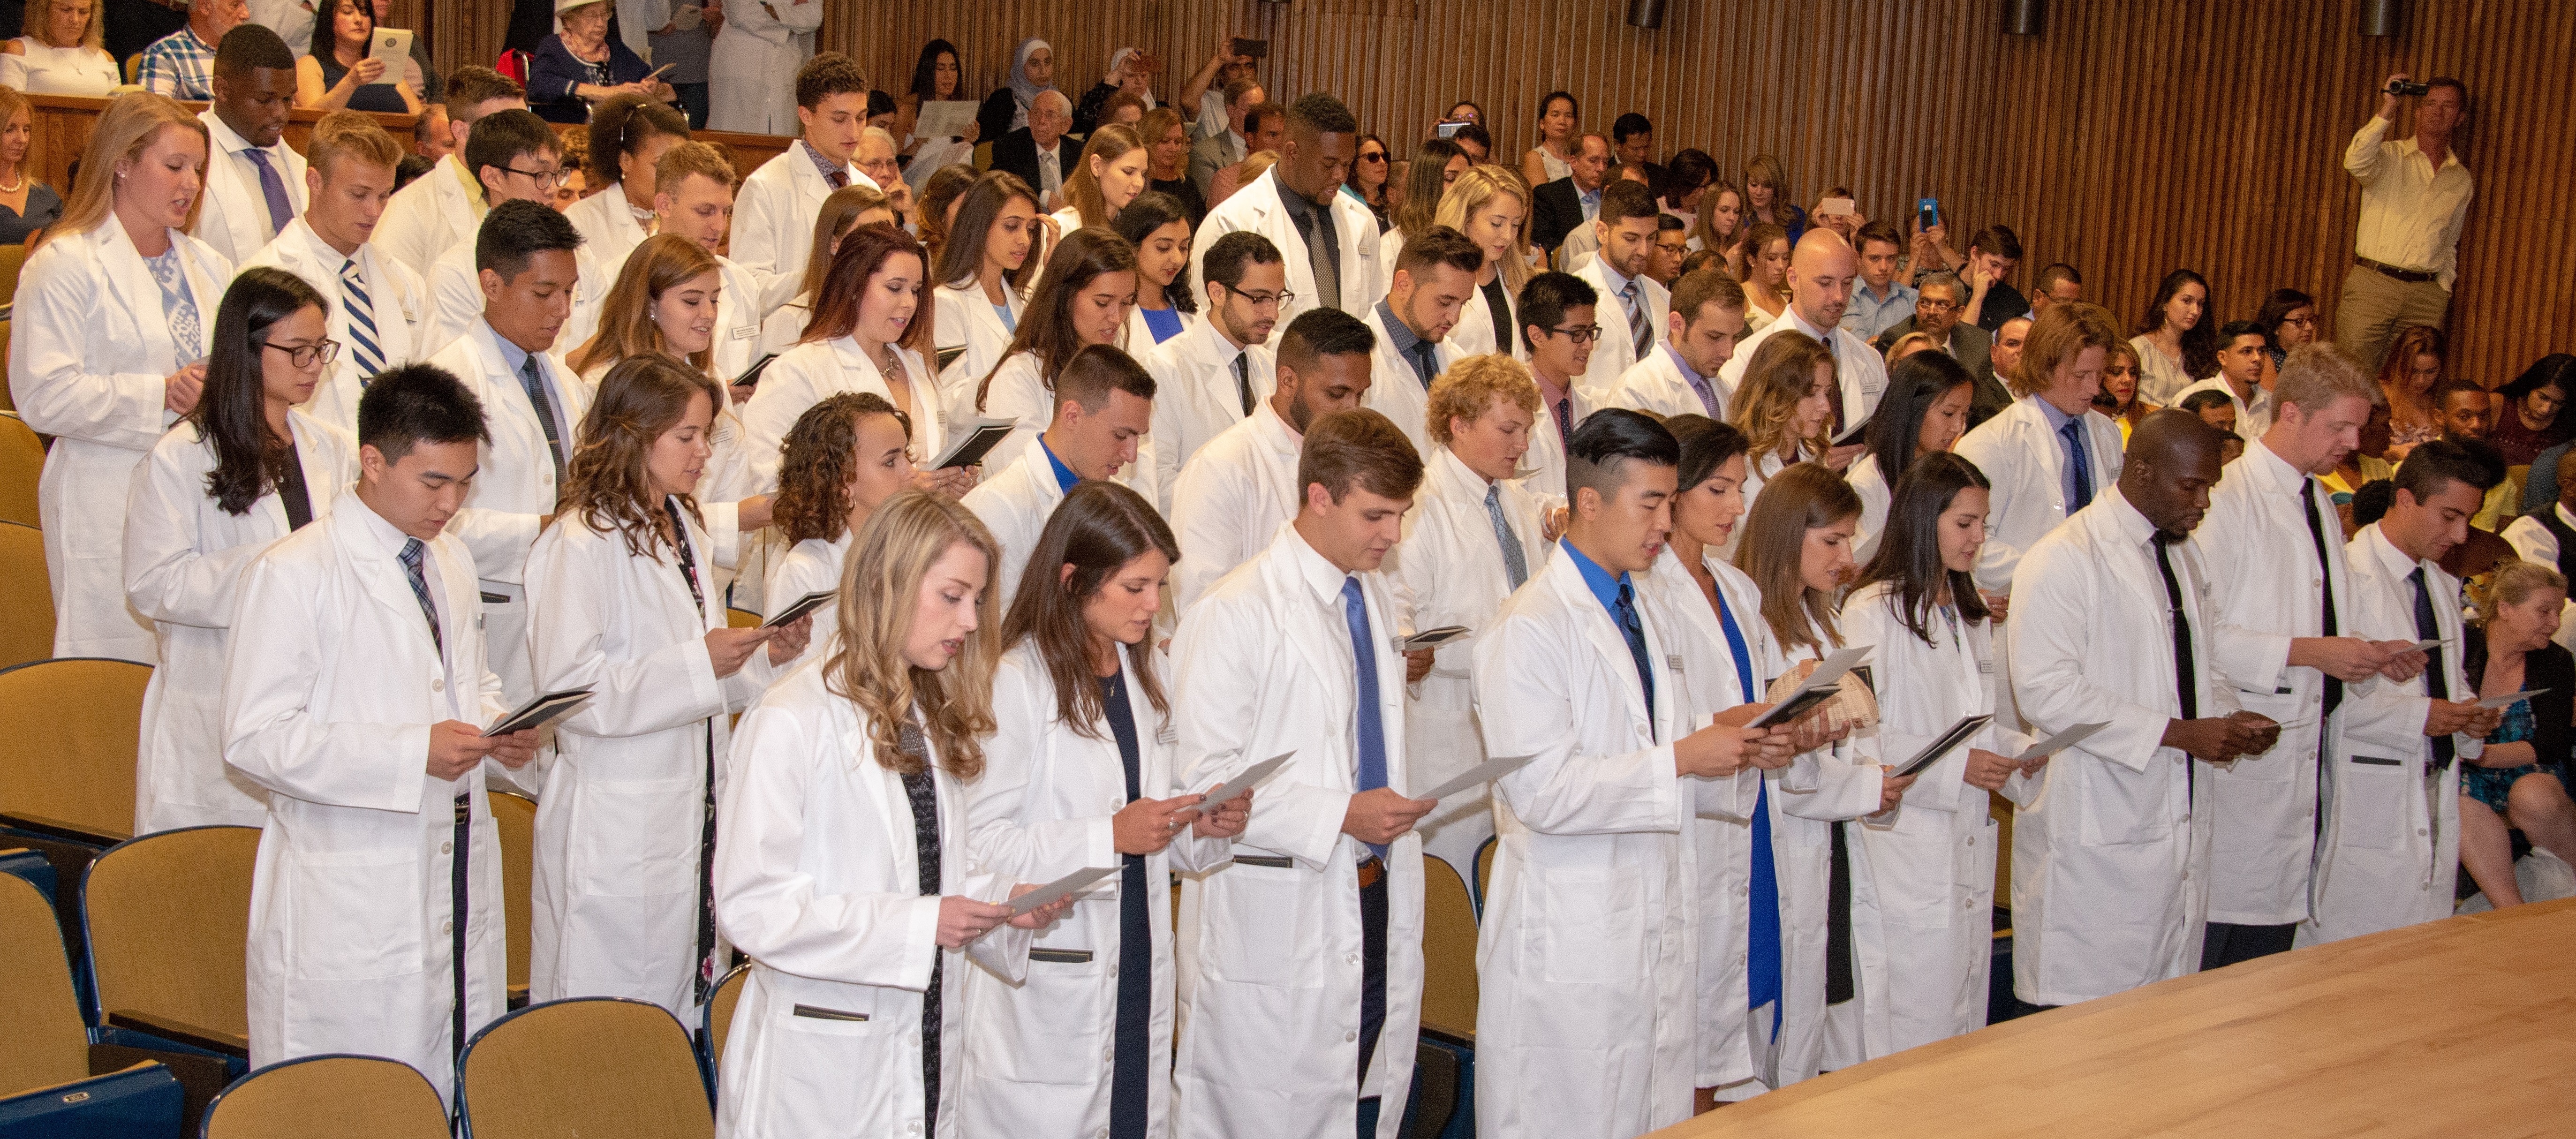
(1024, 92)
(1117, 59)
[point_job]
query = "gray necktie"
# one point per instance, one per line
(1515, 565)
(1640, 334)
(1328, 284)
(536, 388)
(1243, 379)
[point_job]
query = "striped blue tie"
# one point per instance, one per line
(362, 321)
(410, 557)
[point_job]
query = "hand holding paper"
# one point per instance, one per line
(1226, 791)
(1064, 887)
(1485, 772)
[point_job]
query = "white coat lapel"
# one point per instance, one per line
(882, 786)
(384, 578)
(1605, 638)
(130, 282)
(1306, 637)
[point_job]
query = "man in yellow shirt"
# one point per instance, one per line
(2414, 195)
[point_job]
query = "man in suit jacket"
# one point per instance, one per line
(1211, 152)
(1936, 314)
(1569, 203)
(1025, 151)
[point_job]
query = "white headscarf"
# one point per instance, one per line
(1024, 92)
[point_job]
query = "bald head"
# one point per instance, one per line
(2171, 465)
(1821, 271)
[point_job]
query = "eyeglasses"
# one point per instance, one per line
(1584, 335)
(2301, 321)
(1372, 156)
(318, 352)
(545, 179)
(1265, 300)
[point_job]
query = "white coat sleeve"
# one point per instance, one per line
(498, 538)
(1730, 799)
(57, 324)
(758, 225)
(767, 905)
(1523, 699)
(2050, 632)
(270, 735)
(1217, 664)
(786, 390)
(1834, 783)
(166, 578)
(1938, 787)
(1024, 714)
(573, 603)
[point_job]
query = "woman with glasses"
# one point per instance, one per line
(240, 471)
(1370, 181)
(2289, 319)
(581, 65)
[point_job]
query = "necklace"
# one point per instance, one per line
(6, 188)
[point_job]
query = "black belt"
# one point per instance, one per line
(2410, 276)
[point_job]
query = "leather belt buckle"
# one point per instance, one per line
(1372, 871)
(2410, 276)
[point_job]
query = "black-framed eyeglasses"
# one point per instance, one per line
(545, 180)
(1584, 335)
(318, 352)
(1264, 300)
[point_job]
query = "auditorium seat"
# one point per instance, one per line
(26, 600)
(169, 922)
(46, 1085)
(328, 1097)
(1448, 952)
(720, 1013)
(12, 259)
(585, 1066)
(72, 727)
(741, 618)
(516, 816)
(22, 462)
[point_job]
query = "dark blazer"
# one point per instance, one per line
(1558, 211)
(2551, 668)
(1973, 348)
(1017, 152)
(553, 72)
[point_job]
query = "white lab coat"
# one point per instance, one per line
(1195, 398)
(1449, 570)
(818, 879)
(1395, 390)
(810, 373)
(398, 296)
(738, 327)
(457, 302)
(2023, 457)
(1365, 274)
(721, 487)
(331, 687)
(1042, 811)
(2390, 851)
(1859, 370)
(184, 557)
(89, 364)
(966, 320)
(1616, 351)
(752, 67)
(780, 329)
(1923, 874)
(2110, 858)
(1586, 968)
(1270, 951)
(1876, 497)
(432, 215)
(1015, 506)
(607, 226)
(234, 219)
(1231, 499)
(1656, 386)
(2265, 589)
(513, 489)
(615, 887)
(2253, 416)
(812, 564)
(1474, 334)
(774, 212)
(1546, 457)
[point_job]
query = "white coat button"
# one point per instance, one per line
(1354, 959)
(448, 926)
(2419, 832)
(1348, 1037)
(1108, 1054)
(438, 686)
(912, 1129)
(1103, 1133)
(447, 847)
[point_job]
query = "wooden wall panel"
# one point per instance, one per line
(2132, 138)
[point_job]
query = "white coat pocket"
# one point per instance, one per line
(2371, 802)
(1047, 1030)
(1261, 925)
(636, 839)
(1593, 930)
(822, 1070)
(355, 916)
(2124, 807)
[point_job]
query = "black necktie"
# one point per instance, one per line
(1243, 379)
(2183, 681)
(2325, 573)
(1426, 364)
(1635, 632)
(2436, 685)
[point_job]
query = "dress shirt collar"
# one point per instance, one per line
(2264, 462)
(1604, 587)
(2057, 420)
(1696, 380)
(1319, 573)
(2393, 562)
(1399, 335)
(2133, 525)
(1448, 465)
(230, 141)
(513, 356)
(1824, 336)
(382, 533)
(1617, 284)
(1064, 476)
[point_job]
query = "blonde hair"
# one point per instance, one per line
(1255, 165)
(347, 134)
(626, 325)
(1109, 143)
(125, 129)
(1476, 186)
(1471, 386)
(2514, 583)
(880, 595)
(40, 13)
(1896, 351)
(1766, 399)
(2316, 375)
(2060, 334)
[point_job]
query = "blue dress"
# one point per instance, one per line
(2493, 786)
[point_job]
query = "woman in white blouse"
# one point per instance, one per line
(60, 54)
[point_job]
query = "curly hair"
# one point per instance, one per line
(607, 484)
(814, 465)
(880, 595)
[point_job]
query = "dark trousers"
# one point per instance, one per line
(1372, 988)
(2226, 943)
(693, 103)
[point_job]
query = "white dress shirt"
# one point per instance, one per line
(2411, 213)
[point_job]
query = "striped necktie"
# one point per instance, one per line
(364, 340)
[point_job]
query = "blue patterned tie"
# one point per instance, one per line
(1762, 932)
(363, 338)
(1515, 563)
(1365, 696)
(2079, 474)
(411, 553)
(1636, 636)
(281, 209)
(178, 305)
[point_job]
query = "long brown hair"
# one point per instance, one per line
(862, 254)
(814, 464)
(1806, 496)
(840, 211)
(1766, 400)
(1097, 530)
(1109, 143)
(606, 484)
(1047, 327)
(880, 593)
(930, 220)
(626, 325)
(128, 125)
(961, 256)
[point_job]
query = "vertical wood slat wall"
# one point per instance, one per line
(2132, 138)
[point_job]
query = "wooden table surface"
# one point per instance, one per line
(2464, 1027)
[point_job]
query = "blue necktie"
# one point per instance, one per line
(2079, 477)
(1762, 933)
(1365, 696)
(362, 321)
(281, 209)
(1626, 608)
